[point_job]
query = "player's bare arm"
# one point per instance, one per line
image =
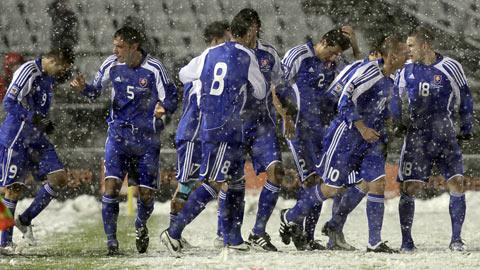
(78, 83)
(368, 134)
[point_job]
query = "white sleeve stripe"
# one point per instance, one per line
(366, 73)
(365, 87)
(162, 69)
(289, 55)
(108, 61)
(452, 72)
(159, 69)
(158, 84)
(23, 74)
(291, 58)
(457, 67)
(455, 71)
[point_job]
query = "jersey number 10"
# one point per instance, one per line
(218, 83)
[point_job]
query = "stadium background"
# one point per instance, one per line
(174, 31)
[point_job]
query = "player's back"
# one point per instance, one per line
(432, 90)
(365, 96)
(224, 80)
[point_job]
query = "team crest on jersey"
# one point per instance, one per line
(264, 65)
(437, 78)
(143, 82)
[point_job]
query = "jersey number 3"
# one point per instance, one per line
(218, 83)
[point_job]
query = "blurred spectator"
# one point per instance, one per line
(64, 32)
(11, 62)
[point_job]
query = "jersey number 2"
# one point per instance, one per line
(218, 83)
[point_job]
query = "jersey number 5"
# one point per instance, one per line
(218, 83)
(130, 93)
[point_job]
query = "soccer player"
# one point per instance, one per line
(24, 145)
(189, 152)
(355, 141)
(262, 145)
(434, 85)
(225, 72)
(310, 69)
(142, 93)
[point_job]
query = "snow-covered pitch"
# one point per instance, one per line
(82, 216)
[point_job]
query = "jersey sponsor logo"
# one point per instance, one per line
(143, 82)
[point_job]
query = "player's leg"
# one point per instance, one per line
(232, 213)
(46, 166)
(189, 155)
(414, 169)
(266, 157)
(349, 200)
(313, 157)
(145, 174)
(13, 193)
(304, 160)
(213, 161)
(116, 166)
(450, 164)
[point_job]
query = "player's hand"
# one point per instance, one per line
(43, 124)
(289, 127)
(369, 134)
(78, 83)
(159, 111)
(348, 31)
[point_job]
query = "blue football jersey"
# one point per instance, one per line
(270, 66)
(189, 124)
(309, 77)
(29, 93)
(135, 92)
(225, 71)
(433, 91)
(365, 96)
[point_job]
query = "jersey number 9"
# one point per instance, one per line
(218, 83)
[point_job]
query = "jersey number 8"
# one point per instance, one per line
(218, 83)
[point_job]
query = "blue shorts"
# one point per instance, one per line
(39, 158)
(262, 144)
(222, 161)
(189, 159)
(422, 149)
(306, 149)
(346, 153)
(139, 160)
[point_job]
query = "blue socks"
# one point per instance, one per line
(110, 210)
(6, 236)
(457, 209)
(312, 197)
(375, 212)
(44, 195)
(311, 221)
(232, 212)
(144, 211)
(406, 211)
(266, 203)
(197, 201)
(221, 203)
(348, 201)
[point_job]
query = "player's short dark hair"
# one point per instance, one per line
(242, 22)
(336, 37)
(130, 35)
(216, 29)
(62, 56)
(390, 43)
(423, 34)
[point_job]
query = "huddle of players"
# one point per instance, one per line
(230, 92)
